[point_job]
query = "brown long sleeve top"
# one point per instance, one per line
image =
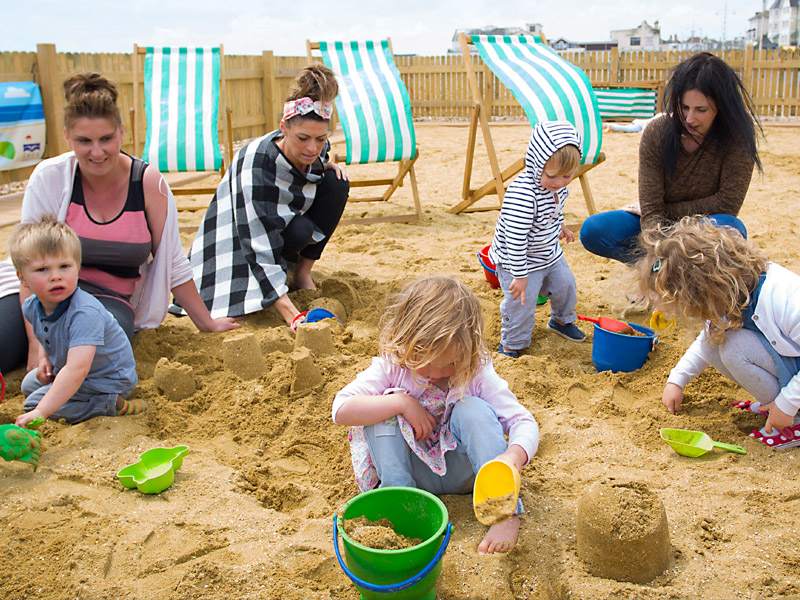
(707, 181)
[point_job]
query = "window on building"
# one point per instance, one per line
(635, 41)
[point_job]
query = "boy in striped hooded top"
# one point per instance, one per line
(525, 247)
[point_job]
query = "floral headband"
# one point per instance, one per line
(303, 106)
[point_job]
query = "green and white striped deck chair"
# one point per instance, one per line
(626, 103)
(374, 110)
(182, 98)
(548, 88)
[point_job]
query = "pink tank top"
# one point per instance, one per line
(112, 251)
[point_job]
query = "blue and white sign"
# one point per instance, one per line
(22, 127)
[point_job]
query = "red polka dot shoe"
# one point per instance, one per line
(788, 437)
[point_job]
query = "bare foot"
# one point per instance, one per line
(302, 282)
(501, 537)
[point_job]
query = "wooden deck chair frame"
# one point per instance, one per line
(404, 168)
(498, 183)
(224, 127)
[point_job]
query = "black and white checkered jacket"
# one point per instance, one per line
(236, 256)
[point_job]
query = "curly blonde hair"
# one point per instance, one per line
(428, 317)
(700, 272)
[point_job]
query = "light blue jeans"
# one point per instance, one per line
(614, 234)
(480, 439)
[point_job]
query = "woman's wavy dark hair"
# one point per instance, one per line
(736, 117)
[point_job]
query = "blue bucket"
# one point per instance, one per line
(619, 352)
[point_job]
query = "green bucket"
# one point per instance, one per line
(407, 574)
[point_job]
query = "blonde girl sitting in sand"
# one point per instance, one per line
(430, 410)
(751, 310)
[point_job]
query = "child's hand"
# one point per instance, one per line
(776, 418)
(672, 397)
(566, 234)
(421, 421)
(517, 289)
(44, 372)
(27, 417)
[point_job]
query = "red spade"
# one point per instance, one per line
(609, 324)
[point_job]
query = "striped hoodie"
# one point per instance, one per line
(526, 235)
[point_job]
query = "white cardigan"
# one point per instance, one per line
(777, 316)
(49, 191)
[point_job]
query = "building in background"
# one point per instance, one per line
(643, 37)
(783, 22)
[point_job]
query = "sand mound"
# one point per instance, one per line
(250, 513)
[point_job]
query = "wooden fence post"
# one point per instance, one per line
(268, 89)
(52, 99)
(613, 66)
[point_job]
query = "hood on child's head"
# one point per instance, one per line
(546, 138)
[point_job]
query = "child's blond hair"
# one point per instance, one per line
(700, 272)
(48, 237)
(427, 317)
(564, 161)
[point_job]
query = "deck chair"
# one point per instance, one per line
(548, 88)
(623, 103)
(374, 110)
(184, 94)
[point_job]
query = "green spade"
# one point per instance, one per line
(694, 443)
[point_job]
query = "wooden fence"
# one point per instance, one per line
(256, 85)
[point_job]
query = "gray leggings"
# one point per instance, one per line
(744, 359)
(517, 321)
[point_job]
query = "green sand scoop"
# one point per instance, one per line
(694, 443)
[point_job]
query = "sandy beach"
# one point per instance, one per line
(249, 514)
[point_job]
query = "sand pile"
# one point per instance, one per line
(250, 512)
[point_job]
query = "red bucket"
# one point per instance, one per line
(488, 267)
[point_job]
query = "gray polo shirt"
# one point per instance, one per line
(81, 320)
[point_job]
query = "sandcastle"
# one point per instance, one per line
(623, 532)
(241, 355)
(174, 379)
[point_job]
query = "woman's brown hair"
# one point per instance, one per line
(91, 96)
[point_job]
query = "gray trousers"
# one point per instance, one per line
(84, 405)
(517, 321)
(743, 359)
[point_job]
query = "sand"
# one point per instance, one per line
(250, 512)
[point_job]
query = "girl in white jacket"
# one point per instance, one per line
(751, 310)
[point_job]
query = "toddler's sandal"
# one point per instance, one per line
(750, 406)
(777, 440)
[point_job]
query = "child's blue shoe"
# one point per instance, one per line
(511, 353)
(569, 331)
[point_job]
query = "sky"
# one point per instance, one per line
(422, 27)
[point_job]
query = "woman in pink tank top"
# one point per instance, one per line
(111, 206)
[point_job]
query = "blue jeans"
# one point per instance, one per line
(84, 405)
(480, 439)
(614, 234)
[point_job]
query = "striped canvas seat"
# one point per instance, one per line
(375, 114)
(182, 94)
(373, 103)
(626, 103)
(547, 87)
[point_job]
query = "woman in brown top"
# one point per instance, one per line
(697, 158)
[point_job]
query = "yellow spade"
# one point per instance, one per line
(494, 496)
